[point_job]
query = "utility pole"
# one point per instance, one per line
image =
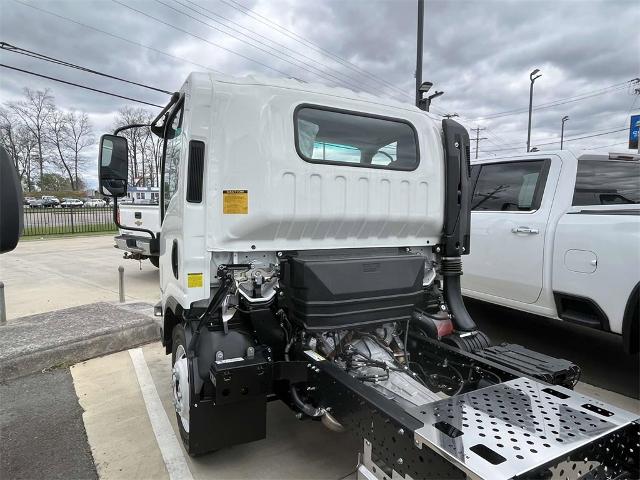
(450, 115)
(478, 138)
(419, 51)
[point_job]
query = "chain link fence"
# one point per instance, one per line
(56, 221)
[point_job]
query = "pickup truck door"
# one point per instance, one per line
(508, 226)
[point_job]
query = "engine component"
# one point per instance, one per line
(372, 357)
(324, 292)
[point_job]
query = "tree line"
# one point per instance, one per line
(50, 146)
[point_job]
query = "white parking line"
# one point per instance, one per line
(167, 442)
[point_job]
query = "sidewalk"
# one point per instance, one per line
(51, 274)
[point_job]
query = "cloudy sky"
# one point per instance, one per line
(479, 52)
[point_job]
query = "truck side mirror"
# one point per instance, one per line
(113, 165)
(10, 204)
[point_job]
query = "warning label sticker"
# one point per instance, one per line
(194, 280)
(235, 202)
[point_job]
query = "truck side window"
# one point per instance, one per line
(511, 186)
(174, 139)
(607, 182)
(355, 139)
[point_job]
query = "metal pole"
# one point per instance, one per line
(530, 108)
(477, 140)
(562, 134)
(3, 306)
(121, 283)
(419, 51)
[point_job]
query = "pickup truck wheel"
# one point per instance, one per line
(155, 261)
(180, 382)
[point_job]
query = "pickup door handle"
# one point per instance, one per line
(528, 230)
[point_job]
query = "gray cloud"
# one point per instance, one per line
(479, 52)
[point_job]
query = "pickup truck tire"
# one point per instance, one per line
(155, 261)
(178, 354)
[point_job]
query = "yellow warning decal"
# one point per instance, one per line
(194, 280)
(235, 202)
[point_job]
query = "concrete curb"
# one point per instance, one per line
(42, 351)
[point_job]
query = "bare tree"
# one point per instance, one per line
(144, 147)
(18, 141)
(57, 134)
(80, 136)
(68, 135)
(34, 113)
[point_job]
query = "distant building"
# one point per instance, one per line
(143, 194)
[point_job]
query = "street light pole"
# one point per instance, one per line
(532, 77)
(564, 119)
(419, 51)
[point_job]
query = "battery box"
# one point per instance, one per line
(533, 364)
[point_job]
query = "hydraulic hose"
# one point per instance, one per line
(305, 408)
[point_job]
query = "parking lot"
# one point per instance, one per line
(112, 416)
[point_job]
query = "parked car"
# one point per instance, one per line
(558, 235)
(95, 202)
(50, 201)
(71, 203)
(27, 201)
(36, 203)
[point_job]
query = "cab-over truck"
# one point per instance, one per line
(310, 252)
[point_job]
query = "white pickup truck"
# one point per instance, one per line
(137, 245)
(558, 234)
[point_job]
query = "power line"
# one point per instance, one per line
(79, 86)
(563, 101)
(201, 38)
(280, 55)
(113, 35)
(558, 141)
(261, 38)
(606, 146)
(300, 39)
(39, 56)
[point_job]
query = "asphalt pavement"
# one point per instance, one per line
(43, 435)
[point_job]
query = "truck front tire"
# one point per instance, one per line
(181, 382)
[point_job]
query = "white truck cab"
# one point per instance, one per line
(310, 252)
(558, 234)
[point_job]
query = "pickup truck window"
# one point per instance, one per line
(509, 186)
(607, 182)
(355, 139)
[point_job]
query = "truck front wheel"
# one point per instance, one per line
(155, 261)
(181, 382)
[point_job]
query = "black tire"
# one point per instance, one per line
(155, 261)
(179, 340)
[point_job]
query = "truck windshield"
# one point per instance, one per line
(607, 182)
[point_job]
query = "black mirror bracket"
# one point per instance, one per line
(125, 227)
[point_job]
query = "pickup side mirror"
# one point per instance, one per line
(10, 204)
(113, 165)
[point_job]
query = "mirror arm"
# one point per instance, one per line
(159, 131)
(124, 227)
(127, 127)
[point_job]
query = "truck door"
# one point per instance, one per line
(508, 228)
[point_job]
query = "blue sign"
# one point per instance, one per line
(633, 131)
